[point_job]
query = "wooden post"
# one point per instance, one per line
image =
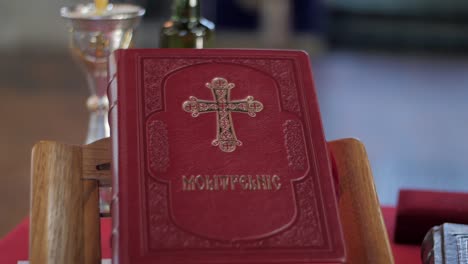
(364, 229)
(64, 217)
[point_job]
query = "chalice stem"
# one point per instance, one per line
(98, 126)
(98, 105)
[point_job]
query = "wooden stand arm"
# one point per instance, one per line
(364, 229)
(64, 225)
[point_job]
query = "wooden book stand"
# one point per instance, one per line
(65, 224)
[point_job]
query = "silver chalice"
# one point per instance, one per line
(94, 35)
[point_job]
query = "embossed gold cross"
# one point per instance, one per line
(226, 138)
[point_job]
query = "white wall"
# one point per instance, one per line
(32, 23)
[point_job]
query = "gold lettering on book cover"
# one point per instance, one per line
(226, 138)
(263, 182)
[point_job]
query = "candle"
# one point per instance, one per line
(101, 6)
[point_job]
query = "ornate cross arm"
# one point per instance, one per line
(248, 105)
(196, 107)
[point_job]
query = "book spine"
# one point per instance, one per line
(113, 122)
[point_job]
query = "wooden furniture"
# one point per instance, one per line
(64, 224)
(64, 215)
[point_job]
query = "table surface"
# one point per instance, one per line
(411, 111)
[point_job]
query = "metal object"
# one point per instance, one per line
(93, 37)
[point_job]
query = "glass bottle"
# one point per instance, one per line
(186, 28)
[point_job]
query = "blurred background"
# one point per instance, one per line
(393, 73)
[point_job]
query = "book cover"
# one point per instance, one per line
(219, 157)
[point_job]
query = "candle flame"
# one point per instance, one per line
(101, 5)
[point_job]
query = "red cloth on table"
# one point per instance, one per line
(419, 210)
(14, 246)
(403, 254)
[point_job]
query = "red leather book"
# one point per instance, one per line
(219, 157)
